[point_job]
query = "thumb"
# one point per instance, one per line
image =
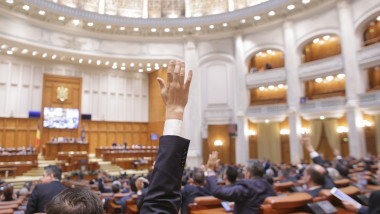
(161, 82)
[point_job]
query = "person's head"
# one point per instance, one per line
(314, 175)
(23, 191)
(199, 177)
(51, 173)
(116, 186)
(79, 200)
(8, 193)
(283, 174)
(230, 174)
(255, 169)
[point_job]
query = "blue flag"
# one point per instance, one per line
(83, 134)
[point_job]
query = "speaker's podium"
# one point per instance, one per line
(52, 148)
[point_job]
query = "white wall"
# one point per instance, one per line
(106, 94)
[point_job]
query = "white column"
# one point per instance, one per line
(293, 91)
(354, 83)
(241, 103)
(192, 123)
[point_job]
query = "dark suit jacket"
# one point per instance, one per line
(314, 192)
(164, 191)
(247, 194)
(41, 195)
(189, 192)
(329, 183)
(373, 204)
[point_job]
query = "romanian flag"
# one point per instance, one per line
(38, 135)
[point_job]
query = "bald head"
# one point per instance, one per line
(315, 175)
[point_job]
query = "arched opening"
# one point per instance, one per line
(371, 34)
(321, 47)
(373, 78)
(268, 95)
(265, 60)
(330, 86)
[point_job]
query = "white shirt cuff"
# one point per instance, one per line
(173, 127)
(314, 154)
(339, 157)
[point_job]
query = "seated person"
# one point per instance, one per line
(230, 175)
(8, 194)
(190, 191)
(248, 194)
(283, 175)
(72, 140)
(115, 189)
(78, 200)
(54, 139)
(314, 178)
(114, 144)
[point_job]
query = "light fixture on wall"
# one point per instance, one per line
(218, 143)
(322, 117)
(342, 129)
(284, 132)
(251, 132)
(305, 131)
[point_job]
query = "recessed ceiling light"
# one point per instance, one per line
(198, 28)
(153, 30)
(378, 18)
(136, 29)
(327, 37)
(24, 51)
(329, 78)
(280, 86)
(34, 53)
(271, 87)
(148, 69)
(315, 41)
(54, 56)
(148, 64)
(257, 18)
(261, 88)
(141, 70)
(322, 117)
(14, 49)
(9, 1)
(272, 13)
(341, 76)
(156, 67)
(90, 24)
(167, 30)
(266, 121)
(61, 18)
(98, 62)
(165, 65)
(122, 28)
(76, 22)
(44, 55)
(225, 24)
(9, 52)
(107, 63)
(318, 80)
(108, 26)
(114, 66)
(41, 12)
(25, 7)
(123, 68)
(180, 29)
(4, 46)
(305, 1)
(132, 64)
(89, 61)
(291, 7)
(72, 58)
(211, 26)
(242, 21)
(80, 60)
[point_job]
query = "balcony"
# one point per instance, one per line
(369, 56)
(267, 77)
(218, 116)
(259, 114)
(333, 107)
(370, 102)
(320, 68)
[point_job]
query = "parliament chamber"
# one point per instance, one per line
(79, 90)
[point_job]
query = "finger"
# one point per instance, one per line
(169, 72)
(182, 74)
(176, 71)
(188, 80)
(161, 82)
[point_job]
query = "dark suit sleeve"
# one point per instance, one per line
(32, 205)
(140, 198)
(373, 202)
(164, 191)
(329, 183)
(230, 193)
(101, 187)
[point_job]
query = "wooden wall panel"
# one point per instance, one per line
(373, 78)
(220, 132)
(277, 95)
(259, 61)
(372, 33)
(156, 106)
(17, 132)
(322, 49)
(335, 87)
(252, 141)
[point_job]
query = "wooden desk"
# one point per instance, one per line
(210, 211)
(52, 149)
(18, 158)
(109, 156)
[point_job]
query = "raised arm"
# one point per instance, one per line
(164, 191)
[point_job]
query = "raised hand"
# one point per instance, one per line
(175, 92)
(306, 142)
(213, 161)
